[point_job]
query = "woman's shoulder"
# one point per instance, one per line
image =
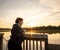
(15, 25)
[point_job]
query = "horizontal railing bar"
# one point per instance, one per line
(36, 37)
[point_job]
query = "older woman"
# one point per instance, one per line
(16, 35)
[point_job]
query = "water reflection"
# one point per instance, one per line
(52, 38)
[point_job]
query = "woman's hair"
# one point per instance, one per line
(18, 19)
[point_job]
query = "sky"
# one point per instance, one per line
(34, 12)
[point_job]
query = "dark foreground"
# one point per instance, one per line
(54, 46)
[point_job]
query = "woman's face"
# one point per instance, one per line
(20, 22)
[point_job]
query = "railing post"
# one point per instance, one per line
(24, 45)
(46, 44)
(40, 45)
(29, 44)
(33, 45)
(1, 41)
(36, 45)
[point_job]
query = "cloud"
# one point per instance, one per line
(17, 3)
(48, 5)
(54, 4)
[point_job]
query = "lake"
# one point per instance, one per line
(52, 38)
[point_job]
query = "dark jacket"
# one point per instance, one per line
(17, 34)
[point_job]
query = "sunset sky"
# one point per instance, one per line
(34, 12)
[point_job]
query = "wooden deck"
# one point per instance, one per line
(54, 46)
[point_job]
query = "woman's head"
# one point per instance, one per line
(19, 20)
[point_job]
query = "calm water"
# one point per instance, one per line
(52, 39)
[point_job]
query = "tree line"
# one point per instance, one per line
(44, 28)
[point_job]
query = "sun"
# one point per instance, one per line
(31, 24)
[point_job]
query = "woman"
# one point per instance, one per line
(17, 36)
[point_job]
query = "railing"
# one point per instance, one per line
(31, 42)
(1, 41)
(35, 38)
